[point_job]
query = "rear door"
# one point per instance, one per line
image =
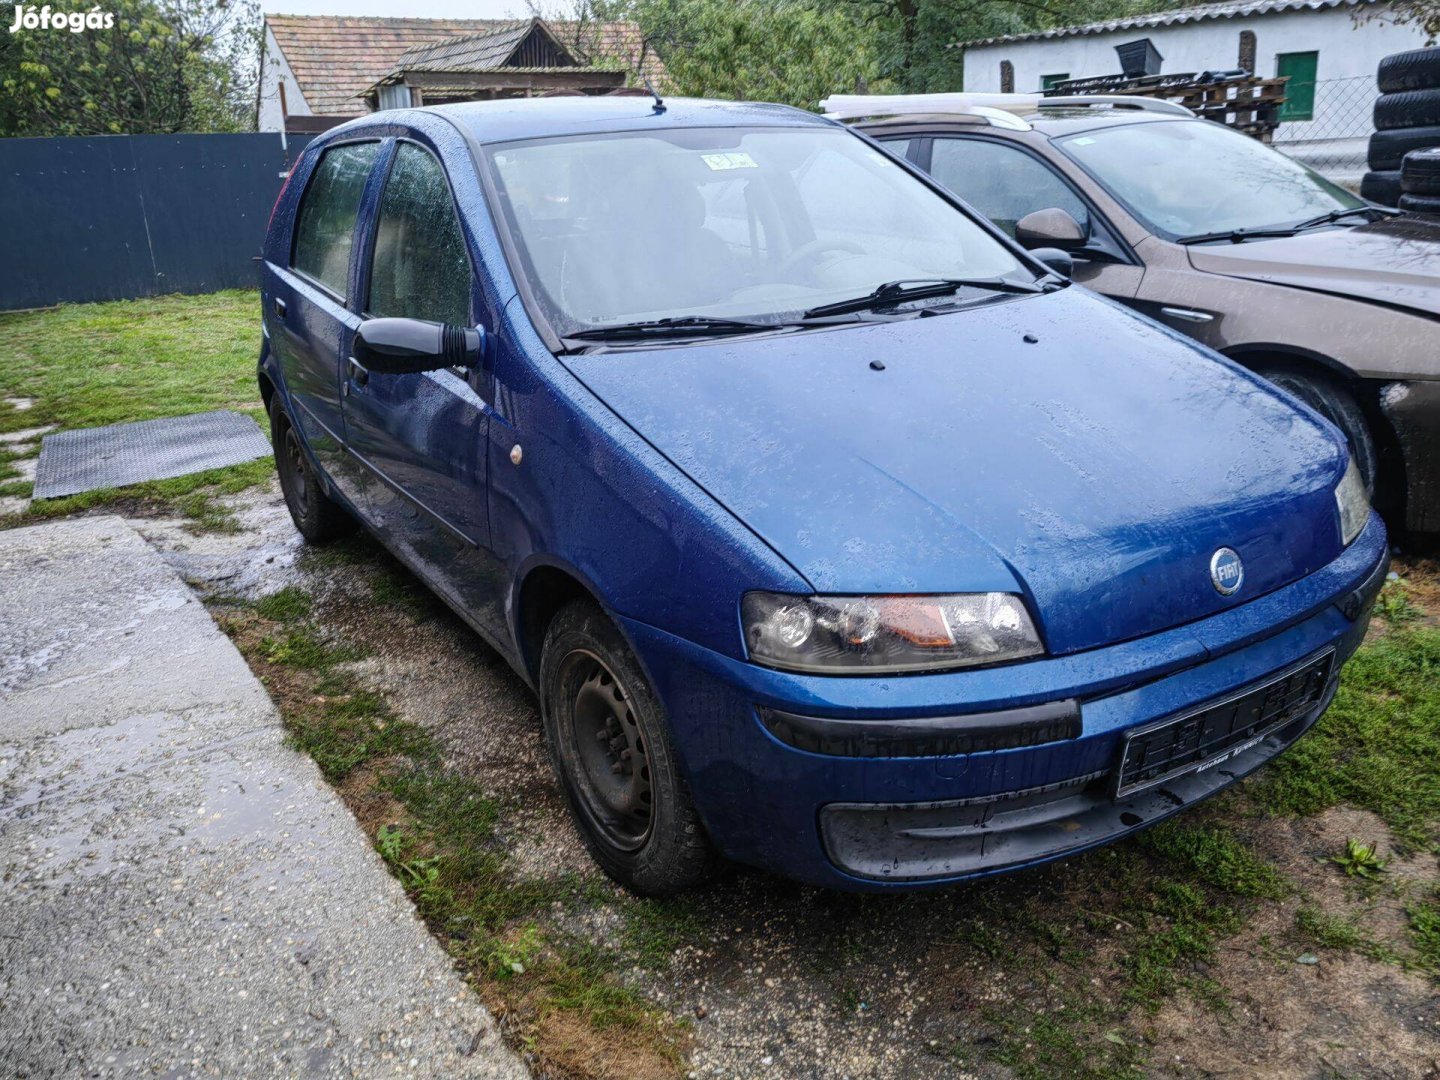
(1005, 182)
(423, 437)
(310, 296)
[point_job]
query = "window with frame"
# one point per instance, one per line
(1300, 69)
(421, 267)
(1002, 182)
(325, 225)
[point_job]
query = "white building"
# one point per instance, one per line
(1329, 49)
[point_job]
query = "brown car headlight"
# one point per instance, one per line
(842, 635)
(1354, 504)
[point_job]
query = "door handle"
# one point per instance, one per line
(358, 372)
(280, 308)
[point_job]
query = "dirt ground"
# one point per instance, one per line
(1034, 974)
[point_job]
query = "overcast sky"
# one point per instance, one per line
(427, 9)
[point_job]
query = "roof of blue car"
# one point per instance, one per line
(533, 118)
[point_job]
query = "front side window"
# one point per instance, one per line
(1240, 182)
(325, 226)
(1003, 182)
(755, 224)
(420, 269)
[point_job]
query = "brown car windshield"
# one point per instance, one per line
(1186, 178)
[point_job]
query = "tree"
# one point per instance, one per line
(912, 38)
(791, 51)
(161, 66)
(1422, 13)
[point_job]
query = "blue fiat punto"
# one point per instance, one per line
(837, 534)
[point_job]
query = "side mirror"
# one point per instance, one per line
(1051, 227)
(410, 346)
(1058, 261)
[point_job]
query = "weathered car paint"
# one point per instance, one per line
(1358, 300)
(668, 511)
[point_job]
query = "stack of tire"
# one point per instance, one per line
(1407, 117)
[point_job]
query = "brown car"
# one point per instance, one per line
(1219, 237)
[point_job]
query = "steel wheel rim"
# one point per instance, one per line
(610, 762)
(299, 478)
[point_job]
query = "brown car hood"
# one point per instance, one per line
(1395, 261)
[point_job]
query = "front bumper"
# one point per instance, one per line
(881, 822)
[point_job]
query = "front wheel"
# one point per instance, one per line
(1336, 404)
(611, 750)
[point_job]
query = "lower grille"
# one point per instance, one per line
(1208, 735)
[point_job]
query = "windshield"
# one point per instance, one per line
(753, 224)
(1187, 177)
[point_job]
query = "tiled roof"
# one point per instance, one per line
(337, 58)
(1169, 18)
(475, 52)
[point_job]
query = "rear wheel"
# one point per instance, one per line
(1332, 401)
(610, 746)
(318, 517)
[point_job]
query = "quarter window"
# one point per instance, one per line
(325, 228)
(421, 269)
(1002, 182)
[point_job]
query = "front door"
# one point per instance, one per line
(422, 438)
(1006, 182)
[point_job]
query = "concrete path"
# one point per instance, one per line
(179, 893)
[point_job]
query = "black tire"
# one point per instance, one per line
(318, 517)
(1381, 187)
(1331, 400)
(1417, 69)
(1420, 204)
(610, 745)
(1420, 175)
(1388, 148)
(1408, 109)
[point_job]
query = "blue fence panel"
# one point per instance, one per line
(121, 216)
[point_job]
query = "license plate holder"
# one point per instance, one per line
(1210, 734)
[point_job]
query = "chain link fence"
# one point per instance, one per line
(1327, 125)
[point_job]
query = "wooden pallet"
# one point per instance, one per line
(1245, 103)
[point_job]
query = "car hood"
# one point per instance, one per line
(1096, 469)
(1395, 261)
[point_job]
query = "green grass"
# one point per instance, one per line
(1217, 857)
(1425, 933)
(289, 604)
(90, 364)
(1378, 747)
(85, 365)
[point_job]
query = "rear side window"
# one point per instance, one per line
(325, 228)
(420, 269)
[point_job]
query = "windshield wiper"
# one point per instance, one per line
(1236, 236)
(675, 326)
(896, 292)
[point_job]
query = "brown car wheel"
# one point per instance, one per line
(318, 517)
(1336, 404)
(610, 746)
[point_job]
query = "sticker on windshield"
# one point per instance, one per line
(1086, 141)
(723, 162)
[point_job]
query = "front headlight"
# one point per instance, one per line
(1354, 504)
(875, 634)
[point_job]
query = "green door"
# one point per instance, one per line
(1300, 67)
